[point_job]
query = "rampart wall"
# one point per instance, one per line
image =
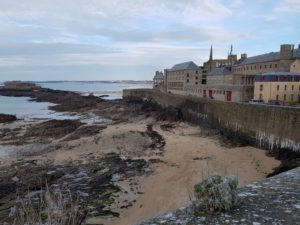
(269, 127)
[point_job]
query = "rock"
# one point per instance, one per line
(5, 118)
(53, 128)
(92, 185)
(15, 179)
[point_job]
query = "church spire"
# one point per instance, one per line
(211, 54)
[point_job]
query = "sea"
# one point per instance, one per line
(26, 109)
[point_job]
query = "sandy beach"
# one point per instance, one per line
(158, 161)
(187, 159)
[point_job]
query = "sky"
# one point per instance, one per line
(131, 39)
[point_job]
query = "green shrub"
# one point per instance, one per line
(216, 193)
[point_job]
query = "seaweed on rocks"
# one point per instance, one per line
(53, 128)
(158, 142)
(93, 184)
(5, 118)
(167, 127)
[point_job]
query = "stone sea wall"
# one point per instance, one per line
(269, 127)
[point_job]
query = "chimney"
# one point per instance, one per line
(286, 52)
(243, 56)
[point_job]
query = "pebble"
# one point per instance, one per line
(15, 179)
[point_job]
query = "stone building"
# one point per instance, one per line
(221, 86)
(158, 81)
(229, 79)
(286, 60)
(183, 77)
(280, 86)
(216, 63)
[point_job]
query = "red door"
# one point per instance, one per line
(228, 96)
(210, 93)
(204, 93)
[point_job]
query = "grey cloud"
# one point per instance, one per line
(38, 49)
(102, 37)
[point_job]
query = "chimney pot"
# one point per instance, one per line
(243, 56)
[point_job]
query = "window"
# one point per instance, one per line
(188, 75)
(270, 65)
(260, 66)
(285, 87)
(292, 97)
(196, 78)
(260, 96)
(284, 97)
(254, 67)
(275, 65)
(251, 67)
(292, 87)
(277, 97)
(242, 80)
(196, 72)
(261, 87)
(187, 80)
(277, 87)
(196, 82)
(265, 66)
(247, 68)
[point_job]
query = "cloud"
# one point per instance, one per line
(283, 9)
(124, 34)
(288, 6)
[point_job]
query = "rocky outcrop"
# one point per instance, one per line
(53, 129)
(19, 85)
(271, 201)
(4, 118)
(93, 185)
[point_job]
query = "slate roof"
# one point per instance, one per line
(185, 66)
(158, 76)
(272, 56)
(218, 71)
(297, 53)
